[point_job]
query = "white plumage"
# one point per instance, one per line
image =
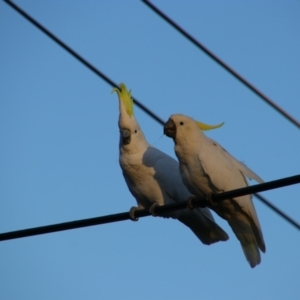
(207, 168)
(153, 177)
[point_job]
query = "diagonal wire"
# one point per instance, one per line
(278, 211)
(80, 58)
(110, 82)
(222, 64)
(158, 210)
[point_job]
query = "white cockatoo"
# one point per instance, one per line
(153, 177)
(207, 168)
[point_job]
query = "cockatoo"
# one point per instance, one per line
(153, 177)
(207, 168)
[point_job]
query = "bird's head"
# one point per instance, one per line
(128, 125)
(181, 125)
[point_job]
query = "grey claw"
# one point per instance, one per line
(132, 211)
(191, 203)
(210, 200)
(152, 209)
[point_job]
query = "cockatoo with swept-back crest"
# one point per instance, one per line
(153, 177)
(207, 168)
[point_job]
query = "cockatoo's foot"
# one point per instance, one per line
(191, 203)
(152, 209)
(132, 211)
(210, 200)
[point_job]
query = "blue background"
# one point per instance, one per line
(59, 145)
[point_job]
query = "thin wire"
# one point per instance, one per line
(80, 58)
(145, 212)
(99, 73)
(222, 64)
(278, 211)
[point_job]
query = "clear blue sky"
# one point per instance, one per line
(59, 145)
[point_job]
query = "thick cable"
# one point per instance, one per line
(145, 212)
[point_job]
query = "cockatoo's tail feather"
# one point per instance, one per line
(125, 97)
(203, 126)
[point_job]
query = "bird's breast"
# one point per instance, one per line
(140, 181)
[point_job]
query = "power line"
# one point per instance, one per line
(222, 63)
(145, 212)
(278, 211)
(110, 82)
(80, 58)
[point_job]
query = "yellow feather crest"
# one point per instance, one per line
(125, 96)
(203, 126)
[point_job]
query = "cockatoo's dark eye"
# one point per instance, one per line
(135, 131)
(181, 123)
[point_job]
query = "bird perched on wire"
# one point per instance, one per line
(207, 168)
(153, 177)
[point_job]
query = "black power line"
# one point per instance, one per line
(145, 212)
(278, 211)
(80, 58)
(113, 84)
(222, 63)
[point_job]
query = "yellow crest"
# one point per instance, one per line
(125, 96)
(203, 126)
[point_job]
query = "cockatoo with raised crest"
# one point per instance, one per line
(153, 177)
(207, 168)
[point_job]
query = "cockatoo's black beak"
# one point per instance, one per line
(170, 129)
(125, 136)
